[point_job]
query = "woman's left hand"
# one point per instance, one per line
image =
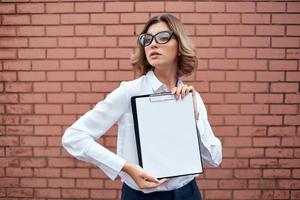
(181, 92)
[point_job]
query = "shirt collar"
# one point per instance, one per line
(157, 84)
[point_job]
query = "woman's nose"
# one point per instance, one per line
(153, 44)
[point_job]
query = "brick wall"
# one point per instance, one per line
(58, 58)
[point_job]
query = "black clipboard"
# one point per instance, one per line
(167, 140)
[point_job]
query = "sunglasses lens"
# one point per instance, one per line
(163, 37)
(145, 39)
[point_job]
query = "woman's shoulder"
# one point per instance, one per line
(135, 84)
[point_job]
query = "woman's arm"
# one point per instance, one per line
(211, 148)
(79, 138)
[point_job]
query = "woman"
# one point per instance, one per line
(164, 55)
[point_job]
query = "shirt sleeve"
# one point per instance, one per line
(211, 148)
(79, 138)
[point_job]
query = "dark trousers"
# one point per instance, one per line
(187, 192)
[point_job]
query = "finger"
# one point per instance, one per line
(174, 90)
(178, 91)
(149, 178)
(183, 91)
(163, 180)
(191, 88)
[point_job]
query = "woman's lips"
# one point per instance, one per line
(156, 55)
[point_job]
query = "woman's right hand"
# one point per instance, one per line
(141, 177)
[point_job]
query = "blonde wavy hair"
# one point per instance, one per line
(187, 59)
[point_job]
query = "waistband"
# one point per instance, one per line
(185, 190)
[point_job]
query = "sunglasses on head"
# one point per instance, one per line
(162, 37)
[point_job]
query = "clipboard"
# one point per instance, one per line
(167, 140)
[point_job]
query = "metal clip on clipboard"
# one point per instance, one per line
(163, 96)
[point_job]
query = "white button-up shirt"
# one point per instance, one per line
(79, 138)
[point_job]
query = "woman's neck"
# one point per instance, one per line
(167, 76)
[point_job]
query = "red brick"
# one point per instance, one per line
(218, 194)
(291, 119)
(61, 53)
(293, 54)
(73, 64)
(30, 8)
(108, 194)
(46, 151)
(250, 152)
(32, 98)
(90, 53)
(46, 87)
(292, 76)
(19, 192)
(61, 162)
(210, 7)
(30, 30)
(47, 172)
(240, 76)
(210, 30)
(75, 86)
(33, 182)
(239, 98)
(90, 30)
(284, 87)
(282, 131)
(225, 41)
(238, 120)
(279, 153)
(119, 30)
(8, 53)
(62, 183)
(233, 184)
(19, 109)
(293, 30)
(211, 52)
(33, 141)
(31, 76)
(289, 184)
(47, 130)
(75, 193)
(61, 98)
(89, 7)
(16, 65)
(269, 30)
(223, 64)
(13, 42)
(266, 141)
(19, 130)
(252, 131)
(61, 30)
(225, 18)
(254, 87)
(224, 87)
(47, 193)
(18, 87)
(7, 31)
(224, 109)
(276, 173)
(102, 41)
(90, 76)
(262, 184)
(19, 172)
(7, 8)
(289, 163)
(89, 98)
(15, 19)
(240, 7)
(42, 42)
(270, 7)
(75, 109)
(269, 98)
(9, 141)
(119, 75)
(240, 53)
(58, 7)
(61, 119)
(8, 76)
(292, 98)
(180, 6)
(237, 141)
(285, 18)
(119, 6)
(118, 52)
(284, 109)
(74, 18)
(210, 75)
(31, 53)
(256, 18)
(9, 162)
(60, 76)
(45, 65)
(246, 194)
(33, 162)
(255, 41)
(149, 6)
(133, 18)
(88, 183)
(103, 64)
(45, 19)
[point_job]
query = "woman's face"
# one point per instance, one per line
(167, 53)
